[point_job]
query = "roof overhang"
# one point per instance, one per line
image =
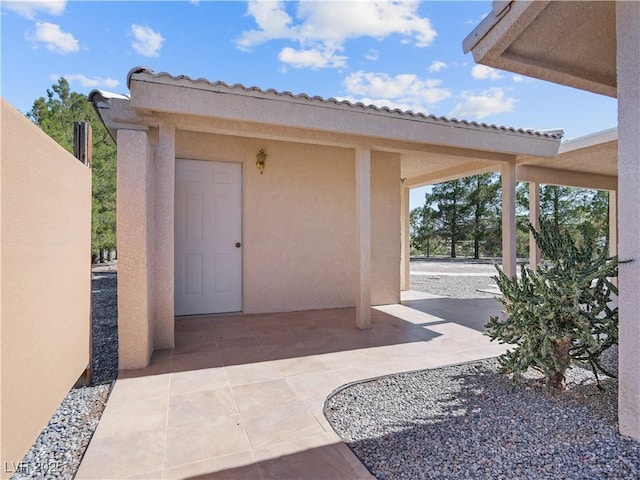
(432, 148)
(571, 43)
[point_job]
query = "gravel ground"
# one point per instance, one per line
(453, 286)
(58, 451)
(467, 421)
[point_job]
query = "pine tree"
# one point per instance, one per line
(55, 115)
(451, 201)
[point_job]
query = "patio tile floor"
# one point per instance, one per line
(242, 396)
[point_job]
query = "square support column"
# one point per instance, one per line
(508, 174)
(534, 220)
(363, 238)
(163, 236)
(405, 247)
(628, 74)
(613, 222)
(134, 218)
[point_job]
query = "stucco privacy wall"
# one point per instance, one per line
(45, 257)
(298, 221)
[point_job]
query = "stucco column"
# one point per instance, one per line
(405, 248)
(363, 236)
(613, 222)
(163, 236)
(508, 174)
(628, 66)
(534, 220)
(135, 334)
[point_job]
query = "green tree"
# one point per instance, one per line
(422, 229)
(452, 210)
(55, 115)
(560, 312)
(483, 205)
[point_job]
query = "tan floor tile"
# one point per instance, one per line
(315, 385)
(316, 408)
(238, 466)
(140, 388)
(252, 373)
(273, 335)
(247, 342)
(196, 361)
(289, 446)
(297, 365)
(190, 347)
(271, 425)
(157, 475)
(321, 463)
(123, 454)
(243, 355)
(127, 415)
(200, 406)
(197, 380)
(272, 393)
(196, 441)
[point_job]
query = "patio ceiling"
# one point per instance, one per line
(531, 38)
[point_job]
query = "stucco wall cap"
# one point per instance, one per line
(147, 74)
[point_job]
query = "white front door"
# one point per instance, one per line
(208, 236)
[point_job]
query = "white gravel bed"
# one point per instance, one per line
(58, 450)
(468, 421)
(456, 286)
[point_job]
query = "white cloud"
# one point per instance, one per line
(436, 66)
(30, 8)
(146, 41)
(517, 78)
(54, 38)
(326, 26)
(372, 55)
(87, 82)
(313, 59)
(405, 91)
(482, 72)
(481, 105)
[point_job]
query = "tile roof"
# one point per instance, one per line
(303, 97)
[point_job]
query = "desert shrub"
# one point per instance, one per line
(562, 311)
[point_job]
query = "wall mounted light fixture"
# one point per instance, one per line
(261, 157)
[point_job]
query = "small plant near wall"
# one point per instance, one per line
(562, 311)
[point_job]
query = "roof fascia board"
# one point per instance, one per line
(554, 176)
(592, 140)
(154, 94)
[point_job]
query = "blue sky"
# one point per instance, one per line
(404, 55)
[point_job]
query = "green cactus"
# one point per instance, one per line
(560, 312)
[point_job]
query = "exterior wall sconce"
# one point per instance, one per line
(261, 157)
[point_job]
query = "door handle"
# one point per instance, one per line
(238, 244)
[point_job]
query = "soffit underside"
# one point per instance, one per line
(587, 49)
(599, 159)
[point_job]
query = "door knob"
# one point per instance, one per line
(238, 244)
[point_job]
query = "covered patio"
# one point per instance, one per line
(242, 396)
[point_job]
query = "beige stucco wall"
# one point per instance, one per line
(299, 221)
(628, 61)
(45, 257)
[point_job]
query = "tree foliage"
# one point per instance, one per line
(55, 115)
(560, 312)
(466, 215)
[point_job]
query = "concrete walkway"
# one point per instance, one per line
(241, 397)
